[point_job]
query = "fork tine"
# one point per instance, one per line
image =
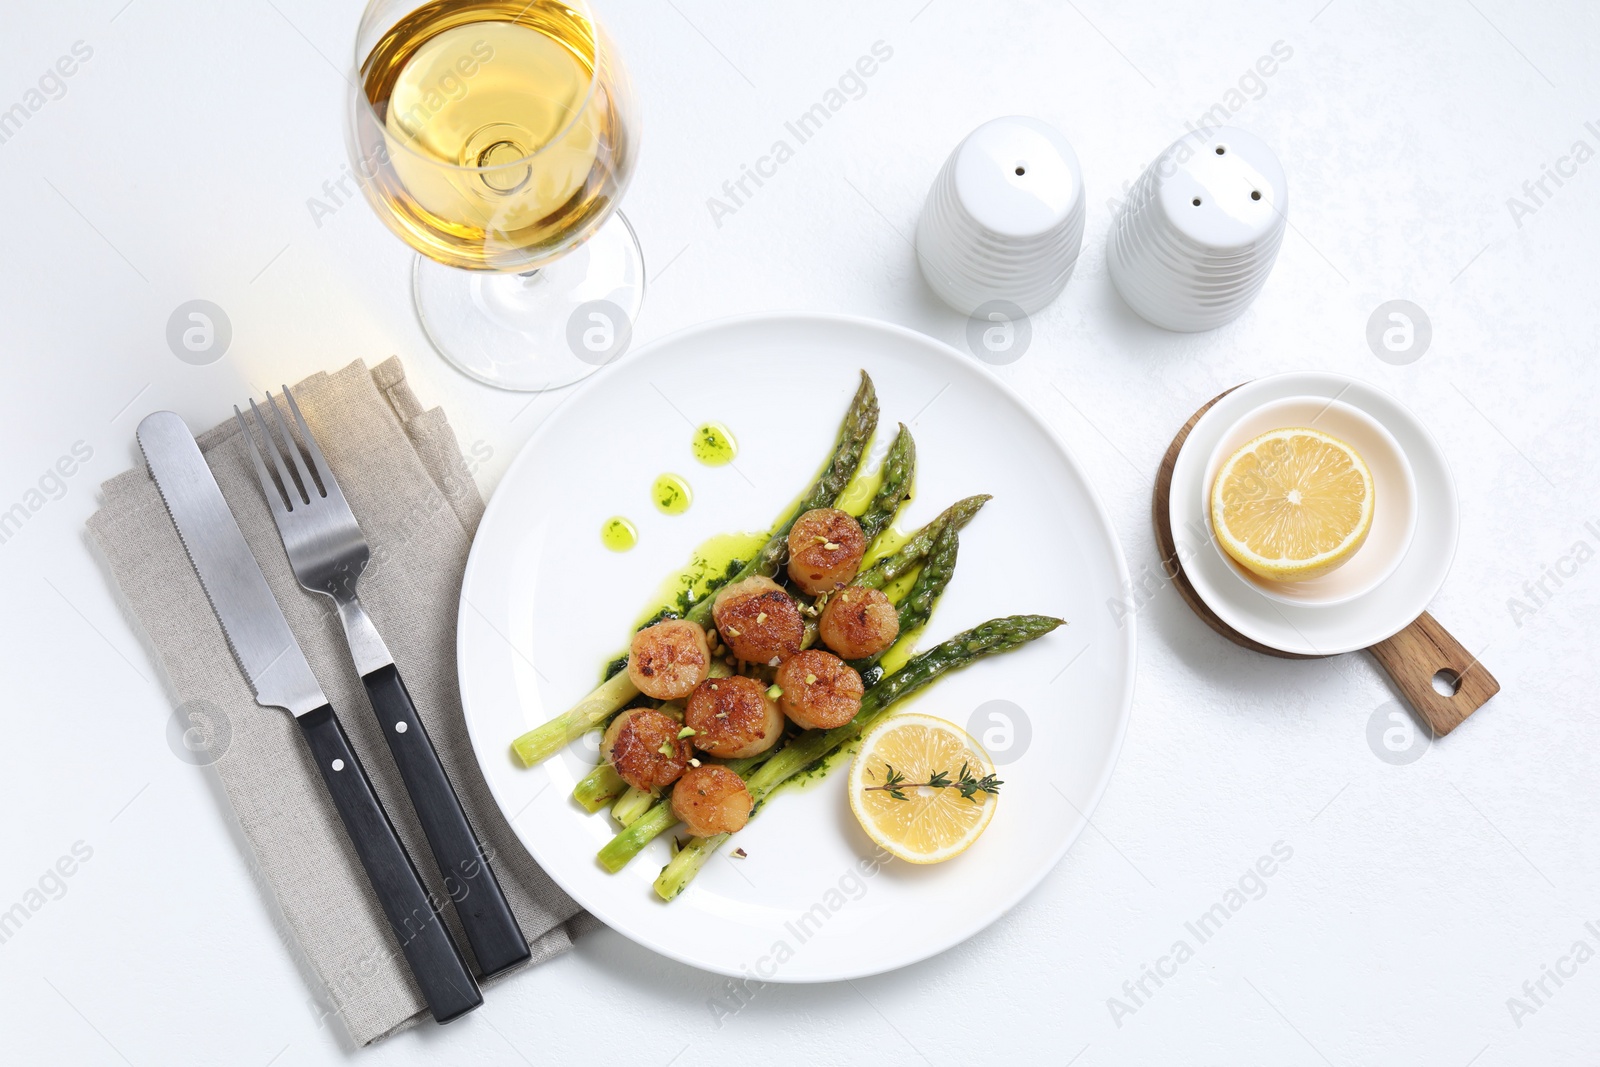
(275, 497)
(291, 491)
(319, 465)
(308, 488)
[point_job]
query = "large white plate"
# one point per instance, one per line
(545, 605)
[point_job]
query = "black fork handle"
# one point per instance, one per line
(491, 928)
(446, 983)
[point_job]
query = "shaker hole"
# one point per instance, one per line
(1447, 683)
(1221, 150)
(1255, 194)
(1197, 201)
(1021, 171)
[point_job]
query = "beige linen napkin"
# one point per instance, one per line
(414, 496)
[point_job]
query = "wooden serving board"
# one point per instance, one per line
(1411, 658)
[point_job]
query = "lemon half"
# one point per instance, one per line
(1292, 504)
(930, 825)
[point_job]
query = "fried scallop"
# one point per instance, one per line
(711, 800)
(758, 621)
(644, 747)
(820, 691)
(733, 717)
(859, 622)
(666, 661)
(825, 550)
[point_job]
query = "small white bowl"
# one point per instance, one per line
(1394, 515)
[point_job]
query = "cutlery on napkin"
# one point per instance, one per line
(409, 485)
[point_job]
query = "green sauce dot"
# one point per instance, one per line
(671, 494)
(618, 534)
(714, 444)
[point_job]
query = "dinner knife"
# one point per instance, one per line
(280, 677)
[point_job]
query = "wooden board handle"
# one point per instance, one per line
(1414, 655)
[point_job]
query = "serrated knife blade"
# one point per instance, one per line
(260, 638)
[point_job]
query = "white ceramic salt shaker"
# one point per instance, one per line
(1004, 219)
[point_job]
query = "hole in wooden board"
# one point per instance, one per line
(1447, 683)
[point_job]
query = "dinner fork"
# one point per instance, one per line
(328, 553)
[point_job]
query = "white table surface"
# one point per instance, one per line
(177, 164)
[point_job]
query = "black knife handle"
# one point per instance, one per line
(491, 928)
(440, 971)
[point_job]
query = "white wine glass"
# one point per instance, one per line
(496, 138)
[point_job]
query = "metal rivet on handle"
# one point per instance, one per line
(400, 727)
(338, 764)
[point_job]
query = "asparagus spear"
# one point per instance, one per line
(991, 638)
(542, 742)
(915, 610)
(599, 787)
(899, 467)
(915, 550)
(860, 421)
(655, 822)
(632, 804)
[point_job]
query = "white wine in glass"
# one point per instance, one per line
(496, 138)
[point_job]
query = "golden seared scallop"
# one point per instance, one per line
(859, 622)
(711, 800)
(758, 621)
(643, 745)
(733, 717)
(825, 550)
(820, 690)
(666, 661)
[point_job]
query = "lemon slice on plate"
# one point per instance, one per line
(1292, 504)
(898, 808)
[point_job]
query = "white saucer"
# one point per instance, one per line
(1317, 630)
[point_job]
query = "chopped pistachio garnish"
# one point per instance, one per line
(687, 731)
(761, 617)
(774, 661)
(830, 546)
(732, 632)
(666, 749)
(774, 691)
(811, 679)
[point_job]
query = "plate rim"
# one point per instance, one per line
(1124, 713)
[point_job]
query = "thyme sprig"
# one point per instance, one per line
(895, 784)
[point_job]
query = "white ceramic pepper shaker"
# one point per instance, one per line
(1200, 231)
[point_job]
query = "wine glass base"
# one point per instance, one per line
(540, 330)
